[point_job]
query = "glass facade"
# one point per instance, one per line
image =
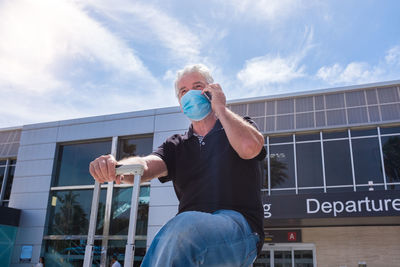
(70, 204)
(333, 161)
(7, 169)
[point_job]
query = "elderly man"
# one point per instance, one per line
(216, 173)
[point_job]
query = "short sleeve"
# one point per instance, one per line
(167, 153)
(263, 152)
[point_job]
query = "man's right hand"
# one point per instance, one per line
(103, 169)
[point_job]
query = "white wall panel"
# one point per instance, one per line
(161, 214)
(82, 132)
(45, 135)
(34, 168)
(32, 218)
(171, 122)
(29, 235)
(41, 151)
(163, 196)
(141, 125)
(157, 183)
(151, 233)
(31, 184)
(29, 200)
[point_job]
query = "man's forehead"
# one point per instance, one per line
(191, 78)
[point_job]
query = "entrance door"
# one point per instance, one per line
(286, 255)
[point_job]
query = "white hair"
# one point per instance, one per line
(199, 68)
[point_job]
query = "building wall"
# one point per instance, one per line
(327, 109)
(36, 155)
(345, 246)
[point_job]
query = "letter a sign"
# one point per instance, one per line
(292, 236)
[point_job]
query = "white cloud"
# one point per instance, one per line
(38, 37)
(393, 55)
(274, 69)
(182, 43)
(267, 10)
(45, 45)
(362, 72)
(267, 70)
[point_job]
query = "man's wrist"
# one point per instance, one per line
(221, 112)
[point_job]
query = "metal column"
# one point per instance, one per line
(137, 171)
(92, 226)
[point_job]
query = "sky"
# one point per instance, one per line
(65, 59)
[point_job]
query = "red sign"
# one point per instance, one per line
(292, 236)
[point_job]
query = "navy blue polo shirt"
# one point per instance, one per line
(210, 175)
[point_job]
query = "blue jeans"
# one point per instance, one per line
(193, 238)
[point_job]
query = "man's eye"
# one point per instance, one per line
(199, 86)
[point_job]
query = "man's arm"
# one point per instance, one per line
(103, 168)
(245, 139)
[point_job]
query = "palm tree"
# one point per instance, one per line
(391, 157)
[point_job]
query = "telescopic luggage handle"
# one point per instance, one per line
(137, 171)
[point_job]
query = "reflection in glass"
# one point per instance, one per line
(303, 258)
(117, 248)
(334, 135)
(364, 132)
(391, 157)
(263, 260)
(390, 130)
(280, 139)
(282, 166)
(307, 137)
(367, 160)
(337, 163)
(10, 178)
(69, 252)
(2, 170)
(70, 211)
(73, 162)
(138, 146)
(121, 208)
(283, 258)
(309, 164)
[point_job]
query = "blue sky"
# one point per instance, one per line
(63, 59)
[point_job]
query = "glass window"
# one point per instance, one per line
(303, 258)
(3, 162)
(73, 162)
(309, 164)
(263, 259)
(367, 160)
(364, 132)
(390, 130)
(282, 166)
(346, 189)
(69, 212)
(337, 163)
(281, 139)
(10, 178)
(307, 137)
(117, 248)
(69, 252)
(334, 135)
(391, 157)
(121, 208)
(2, 170)
(368, 188)
(138, 146)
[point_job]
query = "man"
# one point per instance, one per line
(114, 261)
(215, 170)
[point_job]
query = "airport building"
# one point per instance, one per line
(331, 181)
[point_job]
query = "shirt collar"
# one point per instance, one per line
(190, 132)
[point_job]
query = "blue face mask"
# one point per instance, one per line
(195, 105)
